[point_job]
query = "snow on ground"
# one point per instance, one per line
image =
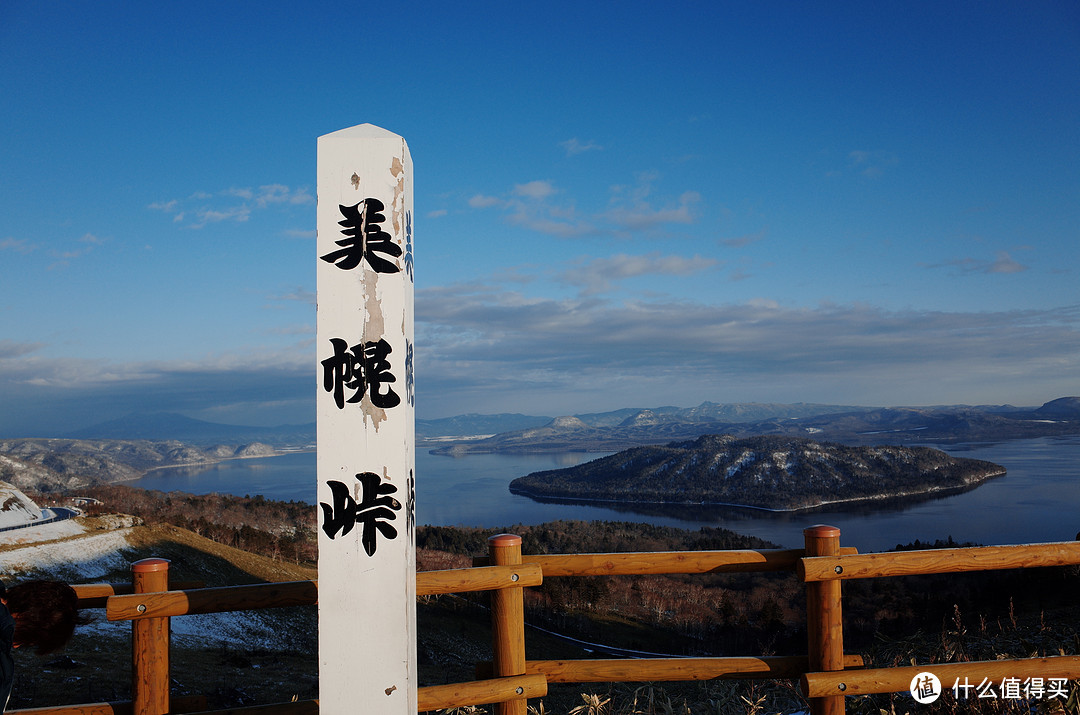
(75, 560)
(48, 551)
(249, 630)
(42, 532)
(18, 509)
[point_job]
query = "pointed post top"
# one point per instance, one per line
(362, 131)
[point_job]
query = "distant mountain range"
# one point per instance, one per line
(46, 465)
(846, 425)
(620, 429)
(172, 426)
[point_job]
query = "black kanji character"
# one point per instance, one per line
(364, 239)
(363, 368)
(373, 512)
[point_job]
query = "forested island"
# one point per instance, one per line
(767, 472)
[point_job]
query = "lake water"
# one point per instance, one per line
(1037, 501)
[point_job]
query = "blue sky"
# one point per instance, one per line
(617, 205)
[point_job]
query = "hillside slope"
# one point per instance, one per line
(238, 658)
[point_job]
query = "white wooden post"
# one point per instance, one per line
(366, 428)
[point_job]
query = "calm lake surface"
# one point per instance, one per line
(1037, 501)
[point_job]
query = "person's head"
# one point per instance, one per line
(45, 614)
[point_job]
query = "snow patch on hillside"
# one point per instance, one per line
(16, 508)
(97, 557)
(75, 560)
(42, 532)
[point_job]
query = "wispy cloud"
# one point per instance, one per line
(64, 257)
(642, 215)
(534, 190)
(10, 349)
(744, 240)
(575, 146)
(635, 208)
(16, 245)
(300, 329)
(235, 204)
(541, 206)
(528, 205)
(47, 395)
(871, 164)
(480, 201)
(1002, 263)
(597, 275)
(298, 294)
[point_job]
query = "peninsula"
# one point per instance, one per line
(766, 472)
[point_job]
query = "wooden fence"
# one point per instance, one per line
(826, 673)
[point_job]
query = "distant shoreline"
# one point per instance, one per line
(212, 462)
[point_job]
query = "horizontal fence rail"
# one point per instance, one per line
(650, 563)
(637, 670)
(494, 690)
(932, 561)
(892, 680)
(181, 705)
(826, 674)
(96, 595)
(183, 602)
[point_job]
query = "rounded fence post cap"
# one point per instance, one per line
(150, 565)
(504, 540)
(822, 531)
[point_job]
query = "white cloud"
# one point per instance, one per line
(480, 342)
(1002, 263)
(10, 349)
(166, 206)
(299, 294)
(563, 224)
(203, 208)
(532, 206)
(485, 348)
(16, 245)
(64, 257)
(574, 146)
(47, 395)
(534, 189)
(233, 213)
(641, 214)
(745, 240)
(479, 201)
(597, 275)
(871, 164)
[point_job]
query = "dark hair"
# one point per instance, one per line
(45, 614)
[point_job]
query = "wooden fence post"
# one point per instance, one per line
(150, 643)
(507, 620)
(824, 622)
